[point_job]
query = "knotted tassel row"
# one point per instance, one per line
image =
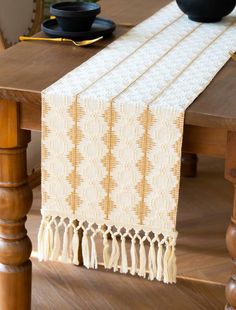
(153, 256)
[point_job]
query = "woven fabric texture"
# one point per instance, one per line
(112, 135)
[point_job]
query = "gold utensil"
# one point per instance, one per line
(61, 40)
(233, 56)
(128, 25)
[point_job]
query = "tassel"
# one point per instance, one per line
(159, 262)
(172, 265)
(56, 245)
(134, 257)
(47, 242)
(124, 261)
(65, 256)
(70, 247)
(75, 247)
(41, 240)
(174, 268)
(166, 259)
(152, 262)
(143, 260)
(50, 241)
(106, 255)
(115, 255)
(94, 260)
(85, 250)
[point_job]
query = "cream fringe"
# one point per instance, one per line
(58, 239)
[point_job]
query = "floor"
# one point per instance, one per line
(203, 263)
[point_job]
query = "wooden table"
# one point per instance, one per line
(28, 68)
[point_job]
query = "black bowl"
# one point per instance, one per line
(75, 16)
(206, 11)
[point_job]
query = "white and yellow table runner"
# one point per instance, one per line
(111, 150)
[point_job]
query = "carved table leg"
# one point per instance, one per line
(189, 165)
(15, 202)
(230, 174)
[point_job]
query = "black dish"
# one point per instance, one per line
(206, 11)
(75, 16)
(100, 27)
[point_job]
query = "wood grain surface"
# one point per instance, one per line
(29, 67)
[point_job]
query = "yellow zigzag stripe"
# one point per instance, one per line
(176, 168)
(144, 166)
(44, 150)
(109, 162)
(75, 157)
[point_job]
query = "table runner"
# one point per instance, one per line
(111, 144)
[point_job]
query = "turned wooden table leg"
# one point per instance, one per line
(15, 202)
(230, 174)
(189, 165)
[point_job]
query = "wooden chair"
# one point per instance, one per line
(18, 18)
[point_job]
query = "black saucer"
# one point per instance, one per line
(101, 27)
